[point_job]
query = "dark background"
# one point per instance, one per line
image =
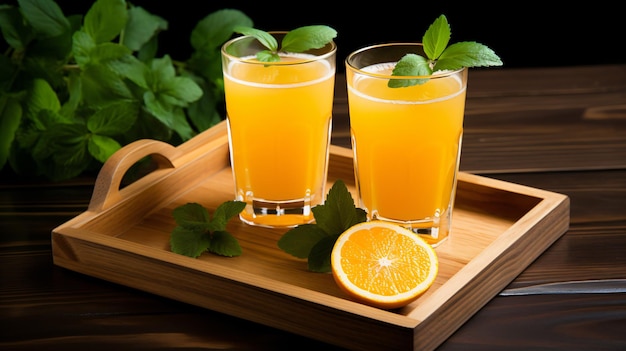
(523, 33)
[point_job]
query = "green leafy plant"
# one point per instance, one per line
(298, 40)
(441, 57)
(315, 241)
(74, 89)
(196, 232)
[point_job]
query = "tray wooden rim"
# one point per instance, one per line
(77, 249)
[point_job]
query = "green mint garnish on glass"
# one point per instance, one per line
(298, 40)
(196, 232)
(441, 57)
(315, 241)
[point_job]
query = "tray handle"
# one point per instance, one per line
(107, 186)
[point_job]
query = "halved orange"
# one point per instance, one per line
(383, 264)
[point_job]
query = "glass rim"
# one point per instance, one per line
(331, 51)
(435, 75)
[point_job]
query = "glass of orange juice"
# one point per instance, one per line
(406, 141)
(279, 117)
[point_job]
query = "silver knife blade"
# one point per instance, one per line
(597, 286)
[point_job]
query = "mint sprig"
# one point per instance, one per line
(298, 40)
(440, 56)
(75, 88)
(196, 232)
(315, 241)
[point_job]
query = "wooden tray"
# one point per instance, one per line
(499, 228)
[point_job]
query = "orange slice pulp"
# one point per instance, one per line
(383, 265)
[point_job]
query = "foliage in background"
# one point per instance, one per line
(75, 89)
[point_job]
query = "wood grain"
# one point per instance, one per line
(123, 237)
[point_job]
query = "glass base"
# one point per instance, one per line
(435, 236)
(277, 214)
(433, 231)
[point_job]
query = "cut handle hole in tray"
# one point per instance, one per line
(127, 166)
(143, 167)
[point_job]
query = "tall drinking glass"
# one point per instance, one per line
(279, 117)
(406, 141)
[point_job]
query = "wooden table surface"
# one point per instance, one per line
(559, 129)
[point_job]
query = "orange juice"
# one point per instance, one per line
(407, 144)
(279, 119)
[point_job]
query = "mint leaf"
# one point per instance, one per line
(189, 242)
(267, 56)
(216, 28)
(113, 119)
(298, 40)
(45, 16)
(100, 86)
(162, 71)
(183, 90)
(308, 37)
(192, 216)
(74, 90)
(141, 27)
(467, 54)
(224, 244)
(299, 241)
(265, 38)
(203, 112)
(168, 96)
(172, 89)
(196, 232)
(105, 20)
(223, 213)
(15, 30)
(441, 57)
(82, 44)
(410, 65)
(132, 68)
(338, 212)
(101, 147)
(319, 258)
(61, 149)
(41, 97)
(106, 52)
(172, 116)
(436, 38)
(315, 241)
